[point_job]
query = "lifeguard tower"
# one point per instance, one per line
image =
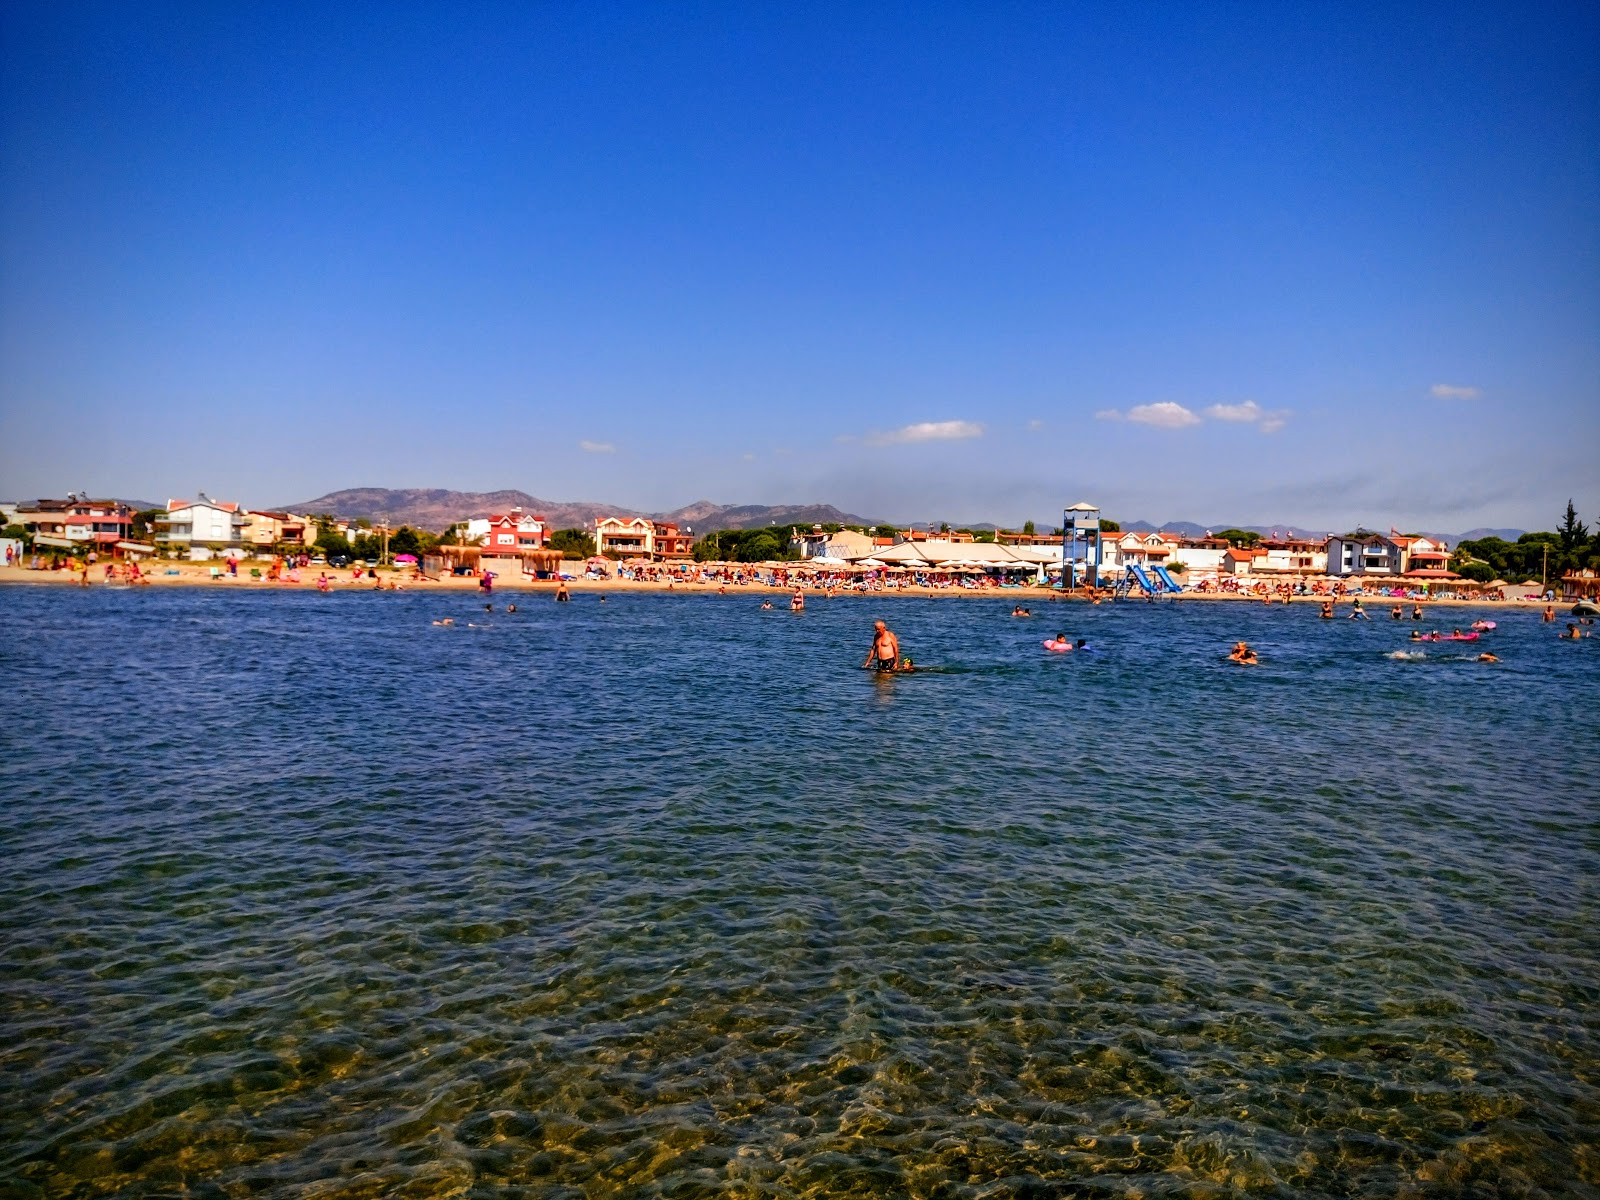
(1080, 545)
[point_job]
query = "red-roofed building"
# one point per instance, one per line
(515, 531)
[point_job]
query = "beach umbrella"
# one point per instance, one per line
(405, 558)
(869, 562)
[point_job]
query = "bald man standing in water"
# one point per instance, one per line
(885, 648)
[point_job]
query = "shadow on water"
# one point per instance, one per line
(666, 896)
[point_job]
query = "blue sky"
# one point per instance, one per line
(1249, 262)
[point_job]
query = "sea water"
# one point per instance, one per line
(304, 895)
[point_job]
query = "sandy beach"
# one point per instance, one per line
(188, 574)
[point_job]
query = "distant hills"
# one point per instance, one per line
(1190, 529)
(436, 508)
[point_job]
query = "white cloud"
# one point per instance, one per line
(1164, 414)
(597, 447)
(1248, 411)
(928, 431)
(1273, 422)
(1108, 414)
(1451, 391)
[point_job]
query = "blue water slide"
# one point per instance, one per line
(1148, 584)
(1166, 577)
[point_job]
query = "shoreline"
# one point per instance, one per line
(192, 575)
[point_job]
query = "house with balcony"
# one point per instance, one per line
(77, 523)
(202, 526)
(514, 531)
(671, 544)
(1364, 553)
(626, 537)
(640, 537)
(1292, 556)
(269, 529)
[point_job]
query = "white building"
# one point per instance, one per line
(201, 526)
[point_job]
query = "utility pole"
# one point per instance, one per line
(1544, 571)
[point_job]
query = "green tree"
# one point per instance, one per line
(330, 542)
(1572, 532)
(405, 541)
(1239, 537)
(19, 532)
(144, 522)
(888, 531)
(944, 526)
(1480, 571)
(1027, 528)
(573, 543)
(1107, 526)
(984, 535)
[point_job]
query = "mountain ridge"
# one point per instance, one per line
(436, 508)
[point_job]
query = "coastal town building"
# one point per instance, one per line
(267, 529)
(844, 545)
(514, 531)
(640, 537)
(201, 526)
(77, 522)
(1298, 556)
(1366, 553)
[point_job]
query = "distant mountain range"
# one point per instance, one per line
(1190, 529)
(436, 508)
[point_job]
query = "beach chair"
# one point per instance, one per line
(255, 572)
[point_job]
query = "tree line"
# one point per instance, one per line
(1573, 546)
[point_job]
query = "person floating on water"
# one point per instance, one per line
(1059, 644)
(885, 651)
(1241, 653)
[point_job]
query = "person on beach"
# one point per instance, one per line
(1241, 653)
(885, 650)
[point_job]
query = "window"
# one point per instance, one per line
(505, 539)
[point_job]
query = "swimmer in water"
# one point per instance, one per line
(1358, 613)
(488, 608)
(446, 621)
(1396, 613)
(1549, 613)
(561, 591)
(1019, 611)
(1241, 653)
(885, 651)
(766, 604)
(797, 602)
(1327, 610)
(511, 608)
(1416, 612)
(1487, 657)
(1416, 635)
(602, 598)
(1083, 644)
(907, 665)
(1573, 633)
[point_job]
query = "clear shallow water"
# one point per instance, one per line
(306, 897)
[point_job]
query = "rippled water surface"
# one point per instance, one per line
(305, 896)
